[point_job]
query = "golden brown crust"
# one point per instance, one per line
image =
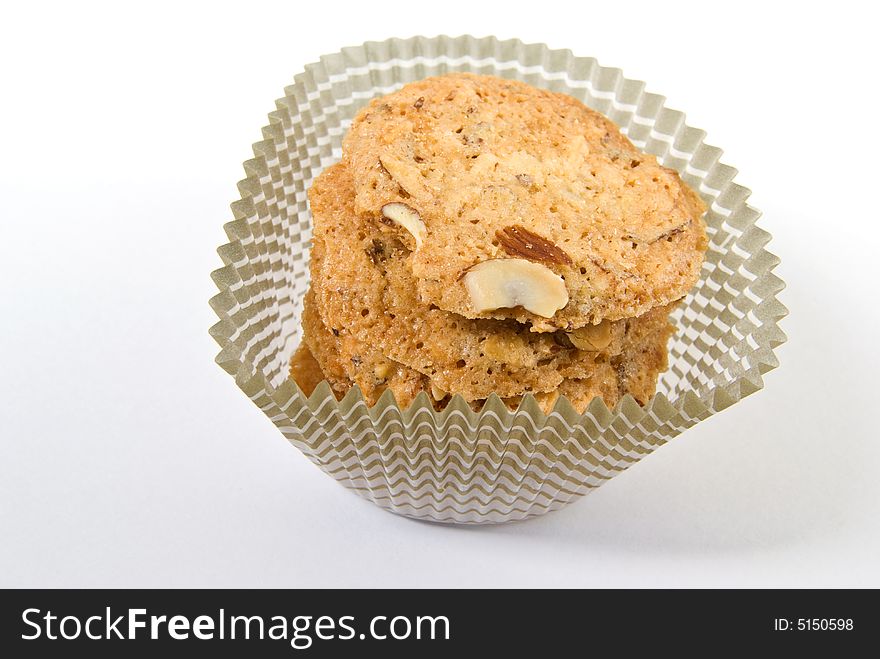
(475, 155)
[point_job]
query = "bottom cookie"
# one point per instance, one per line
(634, 371)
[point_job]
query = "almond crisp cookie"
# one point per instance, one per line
(365, 295)
(483, 237)
(634, 371)
(523, 204)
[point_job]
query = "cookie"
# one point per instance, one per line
(634, 371)
(580, 392)
(520, 203)
(368, 368)
(366, 295)
(643, 359)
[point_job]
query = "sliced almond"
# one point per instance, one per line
(437, 393)
(520, 242)
(592, 337)
(508, 350)
(505, 283)
(407, 177)
(407, 217)
(495, 348)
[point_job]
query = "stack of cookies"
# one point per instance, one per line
(483, 236)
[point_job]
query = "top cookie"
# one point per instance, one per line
(522, 203)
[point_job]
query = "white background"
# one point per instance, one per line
(128, 458)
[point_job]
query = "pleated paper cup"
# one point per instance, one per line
(493, 465)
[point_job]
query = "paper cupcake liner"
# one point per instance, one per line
(495, 465)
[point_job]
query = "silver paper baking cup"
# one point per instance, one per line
(494, 465)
